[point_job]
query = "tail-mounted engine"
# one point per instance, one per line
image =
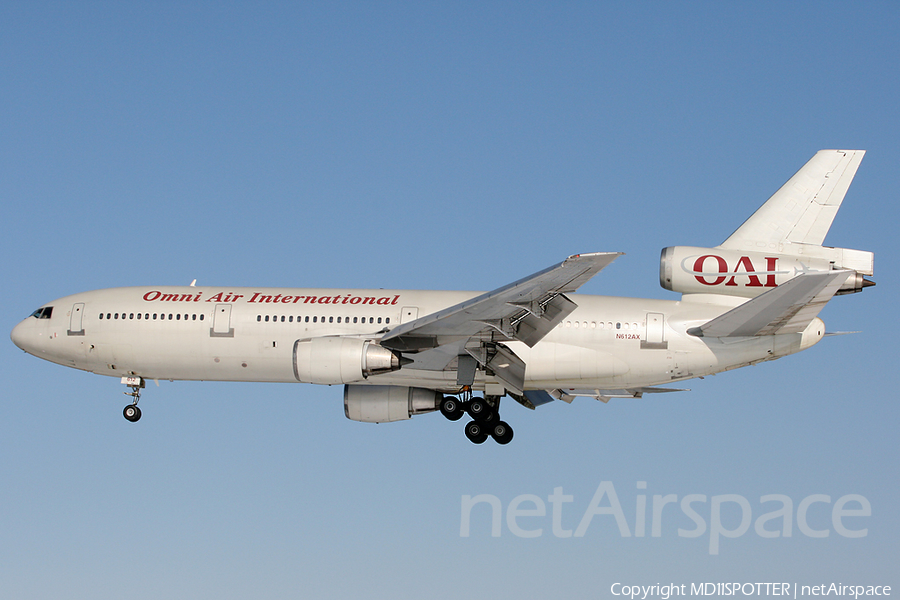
(691, 270)
(334, 360)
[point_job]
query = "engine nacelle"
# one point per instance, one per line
(691, 270)
(385, 403)
(334, 360)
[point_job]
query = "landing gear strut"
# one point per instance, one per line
(485, 413)
(132, 412)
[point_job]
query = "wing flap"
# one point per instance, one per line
(605, 395)
(789, 308)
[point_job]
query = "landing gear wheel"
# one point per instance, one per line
(502, 432)
(476, 433)
(490, 419)
(479, 409)
(452, 408)
(132, 413)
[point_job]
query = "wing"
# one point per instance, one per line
(525, 310)
(801, 212)
(789, 308)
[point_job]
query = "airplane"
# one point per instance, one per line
(400, 353)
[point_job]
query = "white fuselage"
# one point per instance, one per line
(249, 334)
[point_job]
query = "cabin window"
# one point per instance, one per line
(331, 319)
(387, 320)
(618, 326)
(291, 319)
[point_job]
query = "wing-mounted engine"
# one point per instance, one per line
(386, 403)
(334, 360)
(746, 274)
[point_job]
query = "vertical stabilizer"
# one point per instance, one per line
(802, 211)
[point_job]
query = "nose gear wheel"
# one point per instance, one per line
(132, 412)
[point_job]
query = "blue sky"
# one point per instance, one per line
(430, 145)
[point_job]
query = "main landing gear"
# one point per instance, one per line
(485, 418)
(132, 412)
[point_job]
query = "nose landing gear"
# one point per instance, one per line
(132, 412)
(485, 413)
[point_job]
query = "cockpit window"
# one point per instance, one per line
(43, 313)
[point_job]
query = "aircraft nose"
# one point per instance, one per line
(19, 336)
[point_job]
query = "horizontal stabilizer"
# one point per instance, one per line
(789, 308)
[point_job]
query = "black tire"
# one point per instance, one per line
(502, 432)
(451, 408)
(476, 433)
(132, 413)
(479, 409)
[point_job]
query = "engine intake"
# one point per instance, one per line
(334, 360)
(386, 403)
